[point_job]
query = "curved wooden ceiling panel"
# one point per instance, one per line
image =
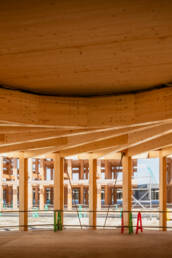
(85, 47)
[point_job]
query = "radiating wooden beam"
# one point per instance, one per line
(73, 138)
(110, 144)
(166, 151)
(139, 137)
(33, 145)
(96, 145)
(150, 145)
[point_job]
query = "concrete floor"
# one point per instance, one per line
(86, 243)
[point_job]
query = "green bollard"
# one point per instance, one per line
(130, 228)
(59, 221)
(55, 224)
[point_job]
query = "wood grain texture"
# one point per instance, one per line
(85, 48)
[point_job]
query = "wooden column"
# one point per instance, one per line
(59, 183)
(1, 186)
(30, 191)
(127, 184)
(69, 195)
(115, 195)
(92, 192)
(162, 192)
(106, 169)
(99, 185)
(110, 195)
(82, 194)
(10, 195)
(106, 195)
(81, 169)
(42, 169)
(36, 195)
(23, 194)
(41, 188)
(41, 197)
(52, 195)
(15, 184)
(14, 197)
(86, 170)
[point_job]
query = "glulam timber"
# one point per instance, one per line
(88, 83)
(92, 48)
(70, 125)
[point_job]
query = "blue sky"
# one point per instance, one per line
(148, 170)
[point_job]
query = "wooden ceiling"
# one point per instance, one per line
(34, 125)
(85, 47)
(79, 49)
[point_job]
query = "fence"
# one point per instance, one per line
(105, 219)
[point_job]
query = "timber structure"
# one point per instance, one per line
(91, 81)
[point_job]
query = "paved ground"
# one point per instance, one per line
(86, 243)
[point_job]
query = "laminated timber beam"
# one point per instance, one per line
(61, 142)
(13, 138)
(116, 111)
(109, 144)
(46, 134)
(155, 144)
(33, 145)
(100, 148)
(166, 151)
(141, 137)
(6, 130)
(134, 138)
(120, 140)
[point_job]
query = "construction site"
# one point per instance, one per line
(85, 128)
(145, 193)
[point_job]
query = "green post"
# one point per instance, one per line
(130, 228)
(55, 224)
(57, 221)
